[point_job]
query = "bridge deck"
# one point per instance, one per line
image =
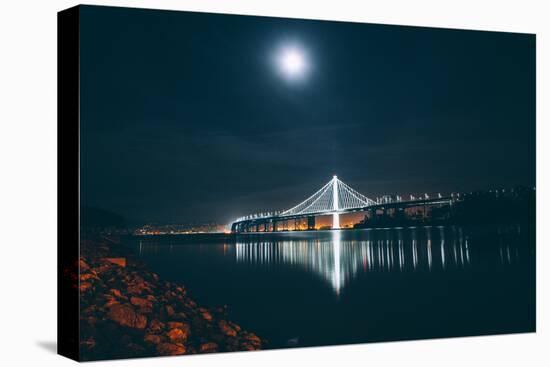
(396, 204)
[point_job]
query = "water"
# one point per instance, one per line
(335, 287)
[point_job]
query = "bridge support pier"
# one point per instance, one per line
(310, 223)
(335, 221)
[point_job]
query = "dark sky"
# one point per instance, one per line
(184, 116)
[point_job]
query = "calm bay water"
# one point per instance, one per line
(333, 287)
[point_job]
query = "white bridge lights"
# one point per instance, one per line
(333, 198)
(335, 215)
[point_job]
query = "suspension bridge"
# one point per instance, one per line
(334, 198)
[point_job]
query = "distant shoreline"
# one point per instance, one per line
(358, 228)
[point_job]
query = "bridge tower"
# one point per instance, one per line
(335, 206)
(333, 198)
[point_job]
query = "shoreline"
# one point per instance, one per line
(127, 311)
(231, 236)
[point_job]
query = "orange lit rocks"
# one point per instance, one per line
(125, 315)
(120, 261)
(169, 349)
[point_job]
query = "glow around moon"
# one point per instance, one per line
(292, 63)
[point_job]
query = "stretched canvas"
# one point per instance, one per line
(240, 183)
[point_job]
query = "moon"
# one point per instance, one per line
(293, 62)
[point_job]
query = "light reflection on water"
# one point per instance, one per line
(383, 284)
(338, 258)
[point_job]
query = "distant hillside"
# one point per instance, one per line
(91, 217)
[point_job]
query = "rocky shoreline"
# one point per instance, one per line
(127, 311)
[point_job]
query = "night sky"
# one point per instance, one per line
(185, 117)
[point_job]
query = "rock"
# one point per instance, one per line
(88, 343)
(169, 349)
(111, 302)
(83, 266)
(176, 324)
(87, 276)
(84, 286)
(178, 335)
(209, 347)
(155, 326)
(125, 315)
(234, 326)
(226, 329)
(152, 339)
(170, 310)
(138, 285)
(102, 268)
(115, 292)
(120, 261)
(246, 346)
(254, 339)
(205, 314)
(141, 302)
(128, 311)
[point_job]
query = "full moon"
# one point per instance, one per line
(292, 62)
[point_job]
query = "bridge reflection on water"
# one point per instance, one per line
(339, 256)
(374, 285)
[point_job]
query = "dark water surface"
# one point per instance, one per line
(333, 287)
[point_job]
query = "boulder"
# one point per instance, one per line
(170, 310)
(115, 292)
(226, 329)
(125, 315)
(169, 349)
(85, 286)
(209, 347)
(205, 314)
(141, 302)
(152, 339)
(87, 276)
(137, 287)
(111, 302)
(253, 339)
(178, 335)
(83, 265)
(156, 326)
(120, 261)
(234, 326)
(177, 324)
